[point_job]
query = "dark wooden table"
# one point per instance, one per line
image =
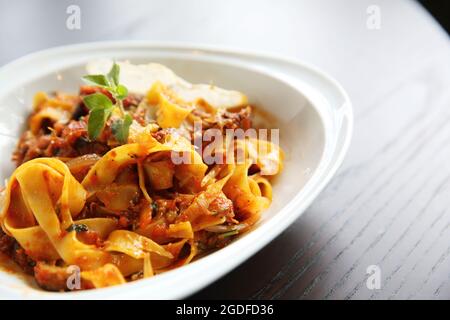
(388, 207)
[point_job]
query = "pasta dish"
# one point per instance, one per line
(137, 174)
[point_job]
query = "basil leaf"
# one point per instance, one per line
(97, 101)
(113, 74)
(97, 120)
(97, 79)
(101, 107)
(126, 125)
(121, 92)
(120, 128)
(116, 128)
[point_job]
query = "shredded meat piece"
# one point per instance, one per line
(55, 278)
(222, 206)
(50, 277)
(90, 237)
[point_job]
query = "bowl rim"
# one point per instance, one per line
(293, 208)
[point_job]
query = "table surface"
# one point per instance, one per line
(388, 205)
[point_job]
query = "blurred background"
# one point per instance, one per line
(331, 34)
(388, 205)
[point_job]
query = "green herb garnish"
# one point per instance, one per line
(154, 206)
(77, 228)
(229, 234)
(101, 107)
(120, 128)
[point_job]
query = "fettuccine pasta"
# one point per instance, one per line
(118, 211)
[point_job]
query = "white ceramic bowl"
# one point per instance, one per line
(313, 113)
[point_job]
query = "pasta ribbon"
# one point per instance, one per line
(51, 195)
(198, 211)
(171, 109)
(246, 195)
(54, 109)
(267, 155)
(105, 171)
(105, 276)
(134, 245)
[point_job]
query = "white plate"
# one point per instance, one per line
(314, 116)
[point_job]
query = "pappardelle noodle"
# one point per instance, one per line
(121, 184)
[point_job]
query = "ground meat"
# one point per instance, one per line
(80, 111)
(235, 120)
(225, 119)
(132, 100)
(222, 120)
(73, 131)
(69, 140)
(30, 147)
(10, 247)
(6, 243)
(22, 259)
(166, 208)
(207, 241)
(85, 146)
